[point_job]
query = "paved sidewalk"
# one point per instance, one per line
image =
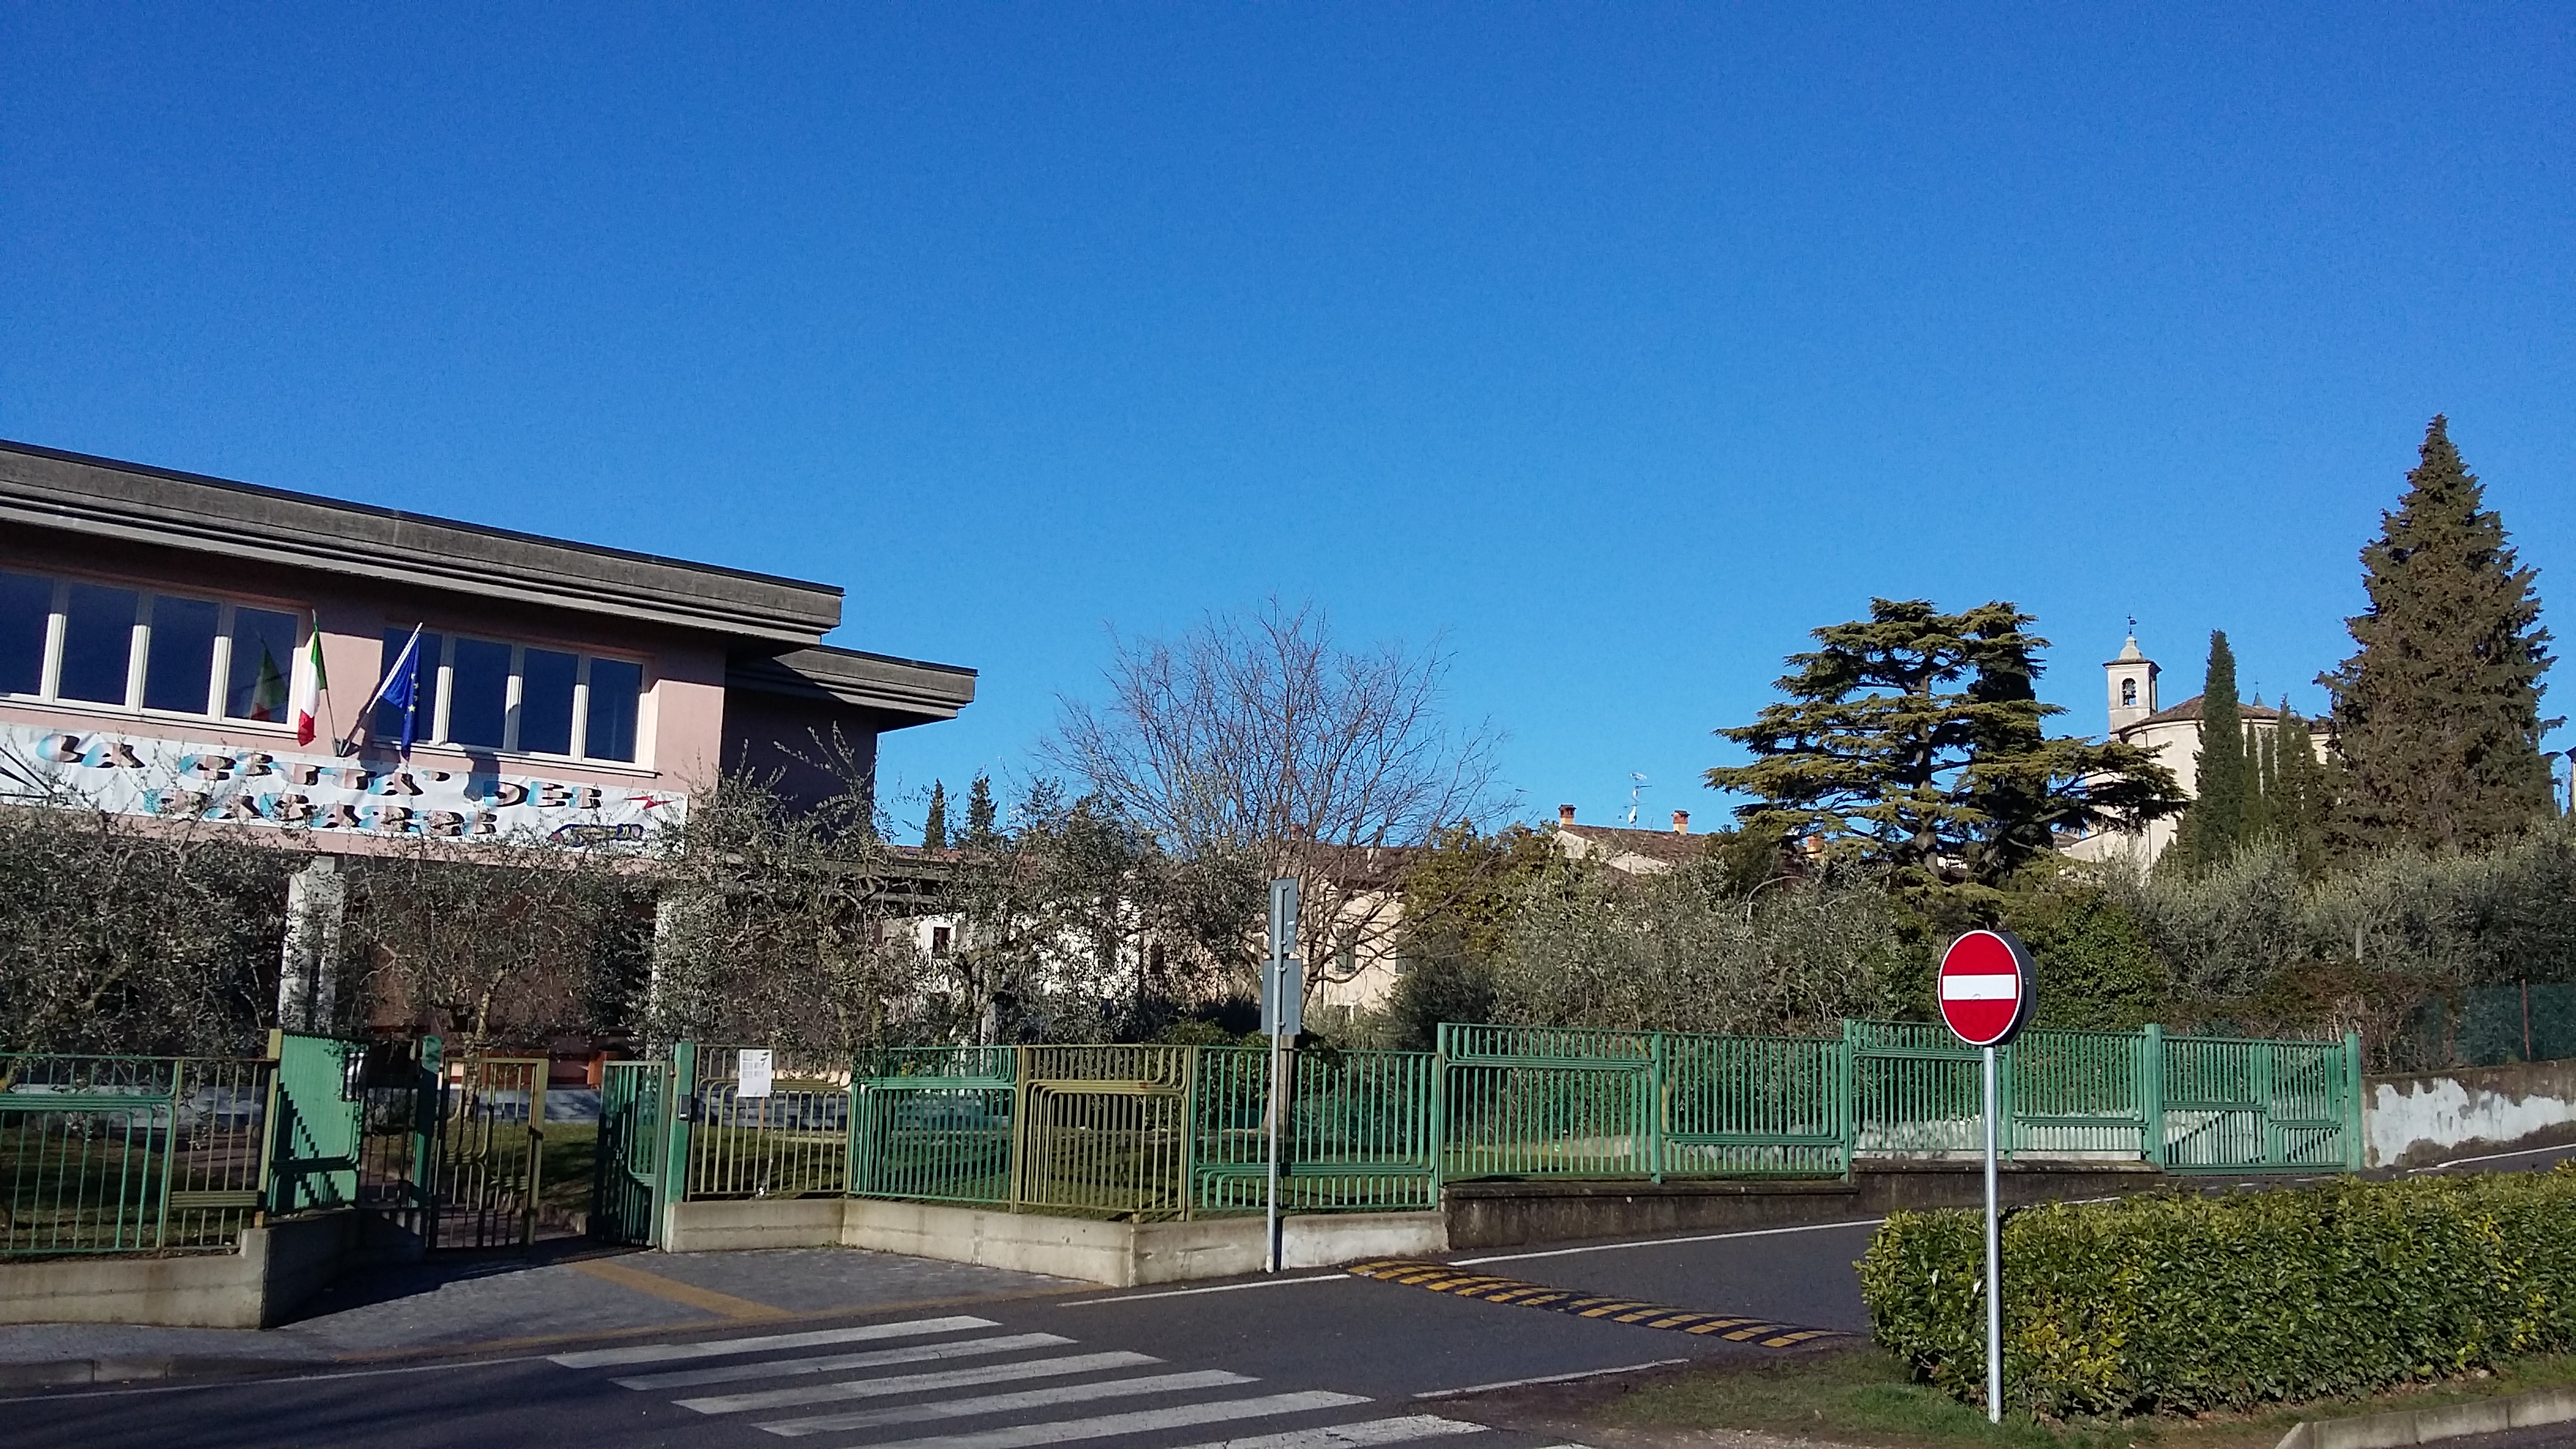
(454, 1304)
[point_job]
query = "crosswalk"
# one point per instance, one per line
(962, 1382)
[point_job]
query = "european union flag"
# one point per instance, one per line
(401, 688)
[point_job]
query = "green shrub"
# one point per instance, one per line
(2185, 1303)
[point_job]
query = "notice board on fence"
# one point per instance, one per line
(753, 1070)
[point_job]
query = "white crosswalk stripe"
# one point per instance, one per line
(836, 1363)
(1143, 1421)
(948, 1393)
(1402, 1430)
(719, 1348)
(1005, 1403)
(1043, 1368)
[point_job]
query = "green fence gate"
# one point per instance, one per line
(626, 1166)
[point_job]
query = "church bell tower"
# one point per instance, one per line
(2131, 680)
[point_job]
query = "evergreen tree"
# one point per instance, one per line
(980, 832)
(934, 824)
(2262, 781)
(1913, 739)
(2437, 714)
(2215, 823)
(2300, 794)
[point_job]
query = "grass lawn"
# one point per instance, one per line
(1861, 1395)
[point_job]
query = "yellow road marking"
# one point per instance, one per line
(723, 1305)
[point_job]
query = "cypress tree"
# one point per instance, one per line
(934, 824)
(2215, 822)
(980, 834)
(2437, 714)
(2299, 794)
(2262, 782)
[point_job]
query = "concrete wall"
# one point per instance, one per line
(1120, 1255)
(2412, 1121)
(1512, 1214)
(272, 1273)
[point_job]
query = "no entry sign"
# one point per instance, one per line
(1986, 987)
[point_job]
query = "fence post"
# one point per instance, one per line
(1851, 1100)
(2267, 1077)
(2151, 1094)
(2356, 1148)
(1190, 1133)
(1438, 1077)
(1654, 1105)
(850, 1132)
(675, 1149)
(268, 1131)
(428, 1110)
(1019, 1125)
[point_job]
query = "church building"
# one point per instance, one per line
(2171, 733)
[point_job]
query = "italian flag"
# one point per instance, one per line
(308, 690)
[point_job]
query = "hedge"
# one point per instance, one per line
(2181, 1302)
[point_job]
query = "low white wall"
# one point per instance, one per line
(274, 1269)
(2416, 1120)
(1084, 1248)
(760, 1222)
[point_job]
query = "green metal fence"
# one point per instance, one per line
(130, 1154)
(792, 1142)
(1361, 1134)
(1159, 1131)
(934, 1123)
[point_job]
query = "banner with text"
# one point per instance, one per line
(138, 775)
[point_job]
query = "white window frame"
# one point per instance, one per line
(514, 691)
(138, 655)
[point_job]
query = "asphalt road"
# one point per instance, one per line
(1321, 1349)
(1287, 1358)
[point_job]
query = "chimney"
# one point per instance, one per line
(1564, 816)
(1681, 822)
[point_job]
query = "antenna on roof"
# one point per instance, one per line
(1636, 786)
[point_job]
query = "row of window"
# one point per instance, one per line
(480, 693)
(97, 644)
(67, 640)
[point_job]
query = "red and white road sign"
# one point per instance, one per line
(1987, 986)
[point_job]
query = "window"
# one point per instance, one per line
(615, 687)
(483, 694)
(64, 639)
(2128, 694)
(939, 940)
(179, 659)
(478, 694)
(547, 680)
(263, 661)
(26, 621)
(98, 644)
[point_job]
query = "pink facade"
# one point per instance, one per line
(585, 677)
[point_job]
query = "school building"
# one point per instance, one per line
(187, 647)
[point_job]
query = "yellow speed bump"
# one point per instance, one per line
(1486, 1287)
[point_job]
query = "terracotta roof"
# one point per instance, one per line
(1668, 846)
(2189, 709)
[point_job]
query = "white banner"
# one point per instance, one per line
(140, 775)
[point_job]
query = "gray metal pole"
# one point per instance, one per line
(1994, 1267)
(1270, 1234)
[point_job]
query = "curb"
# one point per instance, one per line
(2427, 1426)
(69, 1372)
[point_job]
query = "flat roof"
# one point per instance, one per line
(134, 502)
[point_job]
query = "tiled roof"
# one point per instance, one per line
(1668, 846)
(2189, 709)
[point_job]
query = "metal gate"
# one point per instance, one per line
(1105, 1130)
(488, 1174)
(626, 1186)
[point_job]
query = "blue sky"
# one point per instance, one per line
(1617, 346)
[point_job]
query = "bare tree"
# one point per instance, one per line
(1259, 736)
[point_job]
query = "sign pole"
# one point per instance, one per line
(1283, 992)
(1994, 1266)
(1986, 987)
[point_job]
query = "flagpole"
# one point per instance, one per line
(384, 679)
